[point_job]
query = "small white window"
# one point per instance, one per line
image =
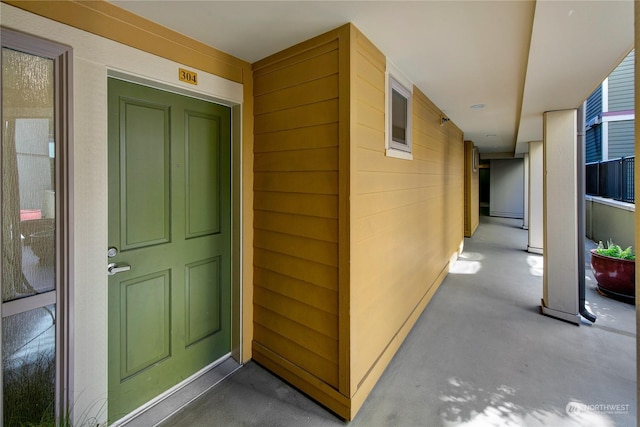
(399, 119)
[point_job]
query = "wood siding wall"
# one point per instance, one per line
(297, 215)
(350, 244)
(471, 192)
(406, 218)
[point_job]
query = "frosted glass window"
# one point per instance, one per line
(28, 367)
(28, 240)
(28, 171)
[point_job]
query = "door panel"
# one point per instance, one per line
(170, 220)
(203, 168)
(145, 316)
(203, 300)
(144, 174)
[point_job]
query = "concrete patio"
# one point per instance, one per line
(480, 355)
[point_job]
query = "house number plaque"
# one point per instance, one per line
(187, 76)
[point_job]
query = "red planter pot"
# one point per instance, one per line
(616, 277)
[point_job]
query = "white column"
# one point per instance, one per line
(536, 223)
(525, 221)
(560, 279)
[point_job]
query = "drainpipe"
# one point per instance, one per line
(584, 312)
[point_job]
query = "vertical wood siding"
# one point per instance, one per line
(406, 215)
(296, 208)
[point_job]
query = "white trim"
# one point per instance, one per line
(631, 207)
(395, 80)
(605, 126)
(191, 92)
(562, 315)
(618, 118)
(398, 154)
(605, 140)
(535, 250)
(210, 86)
(237, 171)
(605, 95)
(398, 75)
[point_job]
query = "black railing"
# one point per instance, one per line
(612, 179)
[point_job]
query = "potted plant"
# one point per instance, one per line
(615, 270)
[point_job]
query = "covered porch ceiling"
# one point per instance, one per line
(518, 58)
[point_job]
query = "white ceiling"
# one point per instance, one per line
(519, 58)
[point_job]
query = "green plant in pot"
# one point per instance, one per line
(615, 270)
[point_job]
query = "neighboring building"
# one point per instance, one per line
(610, 115)
(610, 136)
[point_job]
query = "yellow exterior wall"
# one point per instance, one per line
(296, 208)
(299, 106)
(406, 218)
(471, 192)
(330, 323)
(607, 219)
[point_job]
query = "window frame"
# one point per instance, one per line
(62, 296)
(400, 85)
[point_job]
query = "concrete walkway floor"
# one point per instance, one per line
(480, 355)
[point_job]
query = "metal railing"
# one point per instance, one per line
(612, 179)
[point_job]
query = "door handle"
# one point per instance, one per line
(112, 268)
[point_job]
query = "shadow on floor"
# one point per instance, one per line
(481, 354)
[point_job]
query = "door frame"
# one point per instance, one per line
(236, 194)
(62, 55)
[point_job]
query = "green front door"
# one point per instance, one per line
(169, 220)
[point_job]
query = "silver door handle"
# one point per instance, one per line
(112, 268)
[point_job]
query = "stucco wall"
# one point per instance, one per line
(608, 219)
(507, 188)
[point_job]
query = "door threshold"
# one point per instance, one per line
(171, 401)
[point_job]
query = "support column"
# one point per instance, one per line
(560, 280)
(536, 223)
(525, 221)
